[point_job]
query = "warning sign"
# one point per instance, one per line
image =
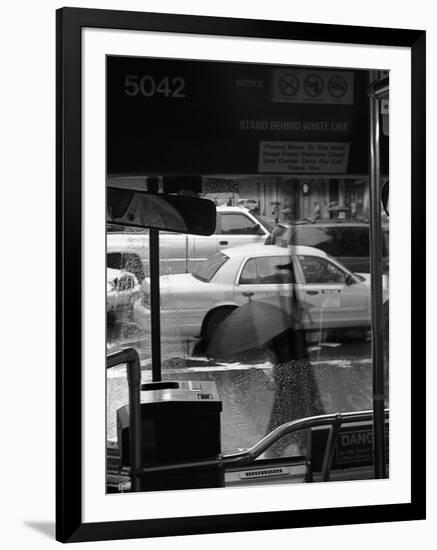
(312, 86)
(212, 116)
(353, 446)
(303, 156)
(356, 446)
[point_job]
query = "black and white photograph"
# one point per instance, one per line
(218, 274)
(240, 274)
(244, 237)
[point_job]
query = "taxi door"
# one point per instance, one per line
(336, 300)
(265, 277)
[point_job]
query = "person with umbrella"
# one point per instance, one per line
(296, 391)
(278, 325)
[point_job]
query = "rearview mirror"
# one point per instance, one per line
(181, 214)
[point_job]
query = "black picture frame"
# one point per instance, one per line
(69, 524)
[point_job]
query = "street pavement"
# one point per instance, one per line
(246, 385)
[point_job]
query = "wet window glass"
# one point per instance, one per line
(267, 224)
(127, 262)
(266, 271)
(278, 236)
(218, 224)
(249, 274)
(237, 224)
(320, 271)
(385, 242)
(346, 242)
(209, 268)
(274, 270)
(337, 325)
(351, 241)
(125, 282)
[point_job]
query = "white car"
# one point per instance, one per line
(194, 304)
(122, 290)
(184, 253)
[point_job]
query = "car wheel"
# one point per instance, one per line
(213, 321)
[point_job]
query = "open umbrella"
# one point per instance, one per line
(255, 323)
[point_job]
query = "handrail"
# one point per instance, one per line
(133, 371)
(294, 425)
(249, 455)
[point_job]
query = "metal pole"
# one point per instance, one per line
(155, 304)
(376, 290)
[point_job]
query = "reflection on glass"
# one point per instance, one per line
(282, 329)
(178, 213)
(128, 207)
